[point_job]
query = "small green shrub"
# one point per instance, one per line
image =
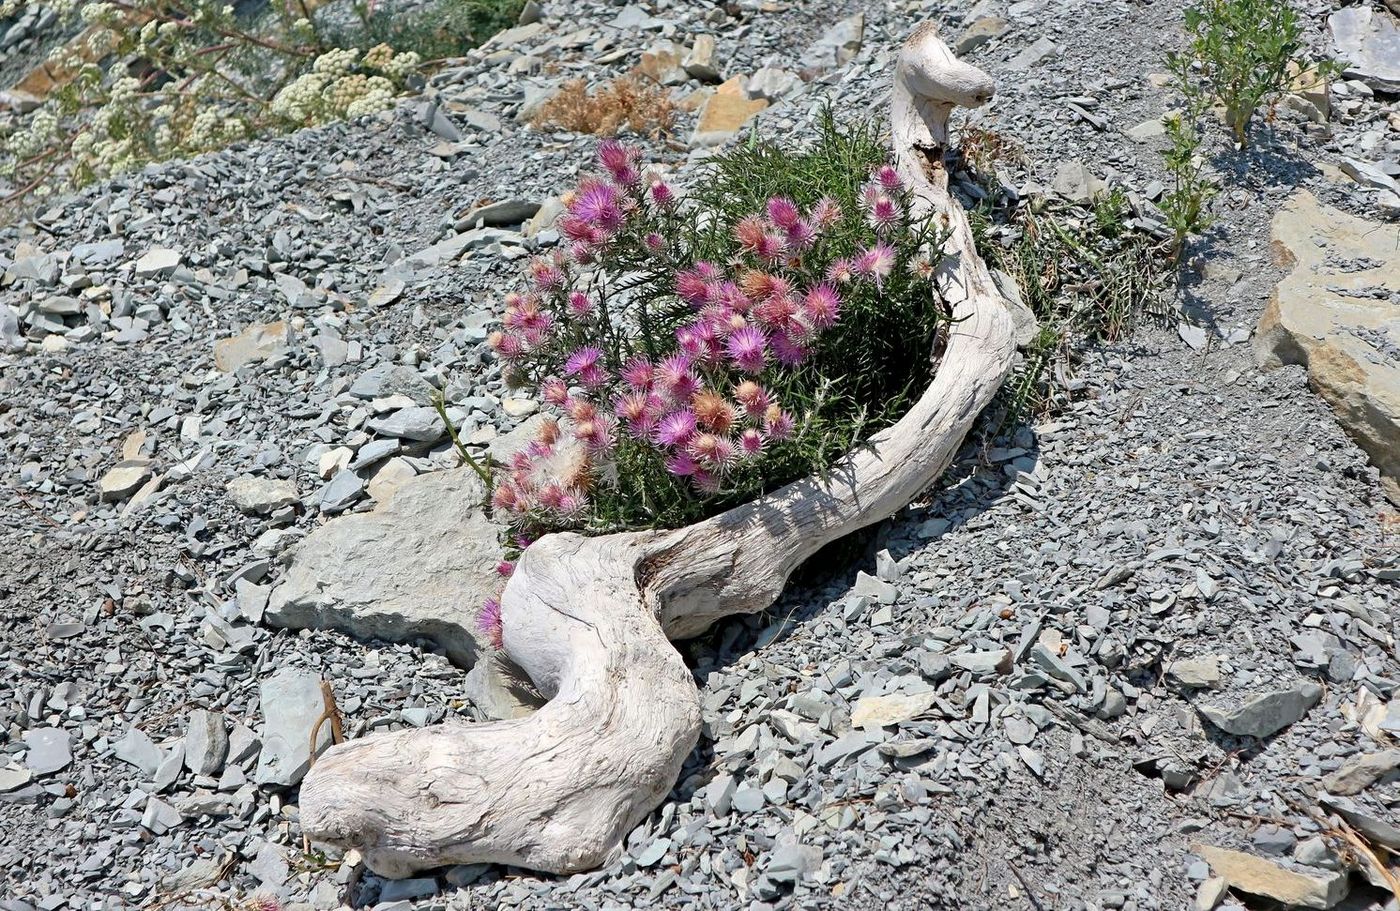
(1238, 54)
(1185, 202)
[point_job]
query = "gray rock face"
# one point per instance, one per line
(418, 566)
(291, 704)
(420, 423)
(1267, 714)
(206, 742)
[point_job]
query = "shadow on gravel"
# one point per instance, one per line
(968, 489)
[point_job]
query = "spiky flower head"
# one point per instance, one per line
(676, 428)
(748, 349)
(783, 212)
(488, 621)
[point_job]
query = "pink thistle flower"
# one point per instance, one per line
(888, 178)
(571, 504)
(789, 352)
(488, 621)
(536, 449)
(536, 336)
(693, 287)
(507, 347)
(772, 248)
(546, 275)
(581, 360)
(654, 242)
(751, 442)
(747, 348)
(681, 465)
(663, 195)
(689, 340)
(594, 376)
(504, 497)
(596, 204)
(876, 262)
(676, 428)
(505, 568)
(705, 482)
(778, 424)
(637, 373)
(822, 306)
(639, 410)
(869, 194)
(618, 160)
(581, 253)
(884, 214)
(777, 312)
(750, 233)
(673, 374)
(551, 495)
(731, 297)
(554, 391)
(783, 212)
(826, 213)
(841, 271)
(753, 397)
(580, 305)
(801, 235)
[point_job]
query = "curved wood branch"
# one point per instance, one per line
(588, 618)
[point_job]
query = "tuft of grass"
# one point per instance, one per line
(628, 101)
(1086, 275)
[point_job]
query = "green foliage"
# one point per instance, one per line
(447, 28)
(151, 80)
(860, 374)
(1185, 202)
(1238, 55)
(1086, 275)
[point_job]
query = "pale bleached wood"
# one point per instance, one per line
(589, 618)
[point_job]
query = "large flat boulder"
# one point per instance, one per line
(1338, 314)
(418, 566)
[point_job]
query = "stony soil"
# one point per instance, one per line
(1083, 611)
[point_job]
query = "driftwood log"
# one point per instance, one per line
(589, 619)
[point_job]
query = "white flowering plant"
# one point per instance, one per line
(149, 80)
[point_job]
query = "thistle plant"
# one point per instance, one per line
(696, 350)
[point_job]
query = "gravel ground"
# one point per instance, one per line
(1080, 615)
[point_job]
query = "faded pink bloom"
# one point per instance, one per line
(546, 275)
(841, 271)
(747, 348)
(580, 305)
(505, 568)
(771, 247)
(637, 373)
(826, 213)
(705, 481)
(488, 621)
(693, 287)
(753, 397)
(801, 235)
(554, 391)
(750, 233)
(822, 306)
(711, 450)
(507, 347)
(654, 242)
(876, 262)
(751, 442)
(673, 373)
(778, 424)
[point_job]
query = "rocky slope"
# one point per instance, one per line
(1110, 651)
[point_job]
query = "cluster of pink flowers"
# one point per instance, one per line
(701, 401)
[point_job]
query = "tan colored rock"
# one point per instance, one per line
(1299, 887)
(123, 480)
(700, 62)
(892, 709)
(1308, 93)
(257, 342)
(1327, 315)
(389, 478)
(661, 63)
(724, 113)
(1360, 772)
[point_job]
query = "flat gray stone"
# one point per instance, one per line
(418, 566)
(48, 750)
(206, 742)
(1266, 714)
(1360, 772)
(136, 748)
(291, 704)
(258, 496)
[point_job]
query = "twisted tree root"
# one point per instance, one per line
(589, 619)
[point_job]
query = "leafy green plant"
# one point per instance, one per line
(1185, 202)
(1238, 54)
(446, 28)
(707, 347)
